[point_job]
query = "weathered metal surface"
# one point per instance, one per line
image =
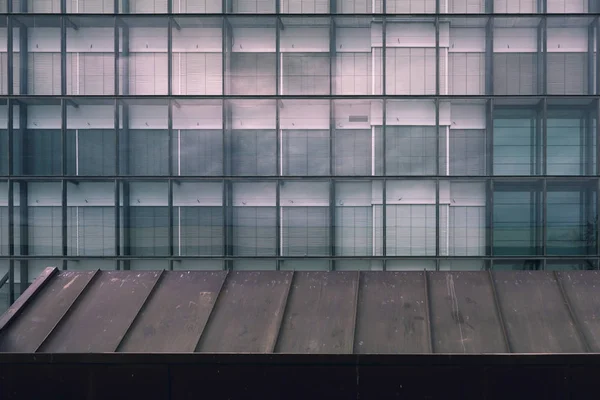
(536, 318)
(582, 288)
(246, 315)
(27, 332)
(320, 314)
(175, 314)
(463, 314)
(100, 319)
(26, 297)
(391, 313)
(306, 312)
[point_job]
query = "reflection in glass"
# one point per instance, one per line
(572, 220)
(571, 141)
(516, 142)
(517, 218)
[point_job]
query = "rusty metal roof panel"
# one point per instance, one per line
(247, 314)
(536, 317)
(175, 314)
(38, 320)
(103, 313)
(320, 314)
(392, 313)
(306, 312)
(463, 314)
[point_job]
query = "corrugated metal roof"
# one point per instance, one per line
(306, 312)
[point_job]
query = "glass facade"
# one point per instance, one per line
(288, 134)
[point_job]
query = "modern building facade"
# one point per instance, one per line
(246, 134)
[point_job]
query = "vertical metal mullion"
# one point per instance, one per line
(9, 52)
(383, 56)
(437, 181)
(597, 71)
(544, 216)
(170, 181)
(332, 75)
(489, 56)
(23, 195)
(489, 160)
(11, 210)
(384, 224)
(542, 51)
(63, 134)
(170, 54)
(383, 129)
(332, 223)
(590, 56)
(437, 55)
(278, 89)
(542, 162)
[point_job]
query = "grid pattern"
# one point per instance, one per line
(298, 134)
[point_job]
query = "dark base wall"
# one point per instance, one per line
(149, 377)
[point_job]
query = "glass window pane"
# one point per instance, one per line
(305, 219)
(91, 219)
(144, 138)
(570, 137)
(515, 55)
(572, 218)
(198, 218)
(254, 219)
(410, 218)
(359, 218)
(517, 145)
(91, 138)
(517, 218)
(252, 137)
(143, 55)
(251, 59)
(411, 58)
(304, 137)
(305, 59)
(462, 217)
(358, 139)
(198, 137)
(38, 215)
(144, 218)
(197, 59)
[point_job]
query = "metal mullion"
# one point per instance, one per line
(490, 217)
(544, 221)
(384, 224)
(11, 215)
(9, 52)
(170, 181)
(383, 56)
(543, 119)
(597, 72)
(542, 51)
(590, 56)
(332, 223)
(63, 134)
(170, 55)
(437, 55)
(489, 54)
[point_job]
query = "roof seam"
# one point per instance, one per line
(212, 311)
(355, 316)
(68, 311)
(499, 312)
(577, 326)
(135, 318)
(428, 313)
(273, 346)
